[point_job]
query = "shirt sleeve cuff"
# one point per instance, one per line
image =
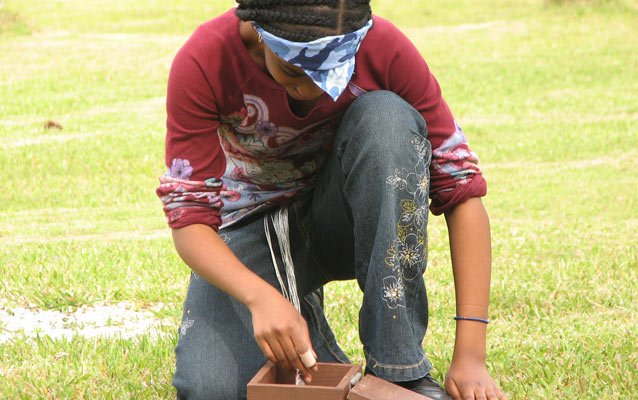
(191, 202)
(445, 200)
(182, 217)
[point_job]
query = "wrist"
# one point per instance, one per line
(470, 344)
(472, 357)
(259, 295)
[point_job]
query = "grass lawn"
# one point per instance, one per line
(547, 92)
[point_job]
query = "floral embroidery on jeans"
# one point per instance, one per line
(412, 220)
(422, 146)
(407, 255)
(187, 323)
(224, 237)
(393, 292)
(416, 216)
(416, 183)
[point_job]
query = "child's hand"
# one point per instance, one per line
(282, 333)
(468, 380)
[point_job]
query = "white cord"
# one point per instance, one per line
(274, 258)
(280, 223)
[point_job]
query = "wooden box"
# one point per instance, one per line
(373, 388)
(331, 382)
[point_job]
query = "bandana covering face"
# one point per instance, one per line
(328, 61)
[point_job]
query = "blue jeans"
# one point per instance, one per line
(366, 219)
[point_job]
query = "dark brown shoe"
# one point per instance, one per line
(426, 386)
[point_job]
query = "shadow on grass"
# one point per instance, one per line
(12, 23)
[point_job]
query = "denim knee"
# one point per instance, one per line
(204, 390)
(386, 115)
(204, 383)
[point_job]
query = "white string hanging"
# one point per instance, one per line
(279, 221)
(274, 259)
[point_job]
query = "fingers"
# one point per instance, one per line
(490, 393)
(265, 348)
(274, 351)
(295, 360)
(285, 345)
(496, 394)
(308, 359)
(306, 334)
(283, 354)
(450, 387)
(476, 395)
(300, 352)
(470, 395)
(470, 392)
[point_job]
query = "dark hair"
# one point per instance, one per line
(305, 20)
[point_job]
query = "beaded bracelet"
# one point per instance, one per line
(472, 319)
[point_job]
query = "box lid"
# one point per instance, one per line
(372, 388)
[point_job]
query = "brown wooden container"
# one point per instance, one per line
(373, 388)
(331, 382)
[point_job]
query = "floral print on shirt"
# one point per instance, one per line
(179, 193)
(180, 169)
(267, 163)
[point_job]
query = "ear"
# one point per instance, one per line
(259, 38)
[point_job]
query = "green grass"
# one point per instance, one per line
(546, 91)
(83, 368)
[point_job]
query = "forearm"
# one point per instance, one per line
(280, 331)
(205, 252)
(470, 246)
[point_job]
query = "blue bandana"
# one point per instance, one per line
(328, 61)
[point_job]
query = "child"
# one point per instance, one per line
(303, 140)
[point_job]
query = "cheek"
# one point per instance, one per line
(310, 89)
(283, 79)
(302, 85)
(271, 66)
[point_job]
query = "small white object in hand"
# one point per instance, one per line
(308, 359)
(298, 380)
